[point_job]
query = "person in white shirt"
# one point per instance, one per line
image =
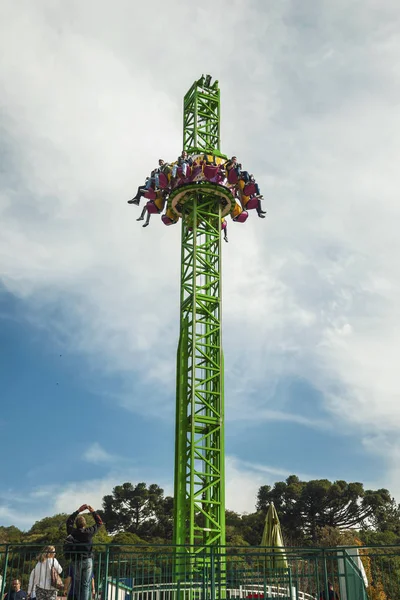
(40, 578)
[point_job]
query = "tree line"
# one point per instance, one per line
(316, 512)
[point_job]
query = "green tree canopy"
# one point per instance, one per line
(138, 509)
(50, 530)
(316, 511)
(10, 535)
(304, 507)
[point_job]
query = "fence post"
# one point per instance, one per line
(212, 573)
(105, 595)
(325, 569)
(117, 576)
(346, 574)
(316, 577)
(3, 583)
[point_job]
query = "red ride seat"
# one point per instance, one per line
(152, 208)
(210, 171)
(220, 177)
(166, 220)
(150, 194)
(163, 180)
(232, 176)
(252, 203)
(188, 172)
(249, 189)
(196, 172)
(242, 217)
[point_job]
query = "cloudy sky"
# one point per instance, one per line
(91, 97)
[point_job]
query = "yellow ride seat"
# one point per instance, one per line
(236, 211)
(159, 201)
(171, 215)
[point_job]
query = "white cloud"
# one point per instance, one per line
(16, 517)
(96, 454)
(241, 486)
(310, 102)
(242, 482)
(69, 498)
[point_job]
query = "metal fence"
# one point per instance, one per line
(160, 573)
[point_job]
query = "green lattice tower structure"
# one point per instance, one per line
(199, 514)
(201, 118)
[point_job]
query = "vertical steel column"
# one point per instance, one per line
(199, 512)
(199, 458)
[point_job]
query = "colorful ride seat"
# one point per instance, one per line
(152, 209)
(169, 217)
(238, 214)
(150, 194)
(252, 202)
(220, 176)
(210, 172)
(167, 220)
(242, 218)
(249, 189)
(181, 175)
(157, 205)
(197, 172)
(247, 202)
(163, 179)
(232, 176)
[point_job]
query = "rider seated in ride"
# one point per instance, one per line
(256, 186)
(224, 227)
(249, 201)
(142, 189)
(153, 206)
(233, 165)
(163, 167)
(151, 182)
(183, 162)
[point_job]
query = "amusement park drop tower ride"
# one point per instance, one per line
(201, 192)
(199, 491)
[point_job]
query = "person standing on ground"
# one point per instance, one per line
(16, 593)
(40, 578)
(332, 595)
(69, 584)
(83, 536)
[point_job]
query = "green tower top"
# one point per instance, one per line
(201, 118)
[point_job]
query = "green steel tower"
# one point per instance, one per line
(199, 514)
(200, 190)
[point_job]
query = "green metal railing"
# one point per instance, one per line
(150, 572)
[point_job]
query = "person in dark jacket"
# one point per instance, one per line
(16, 593)
(83, 536)
(332, 595)
(183, 161)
